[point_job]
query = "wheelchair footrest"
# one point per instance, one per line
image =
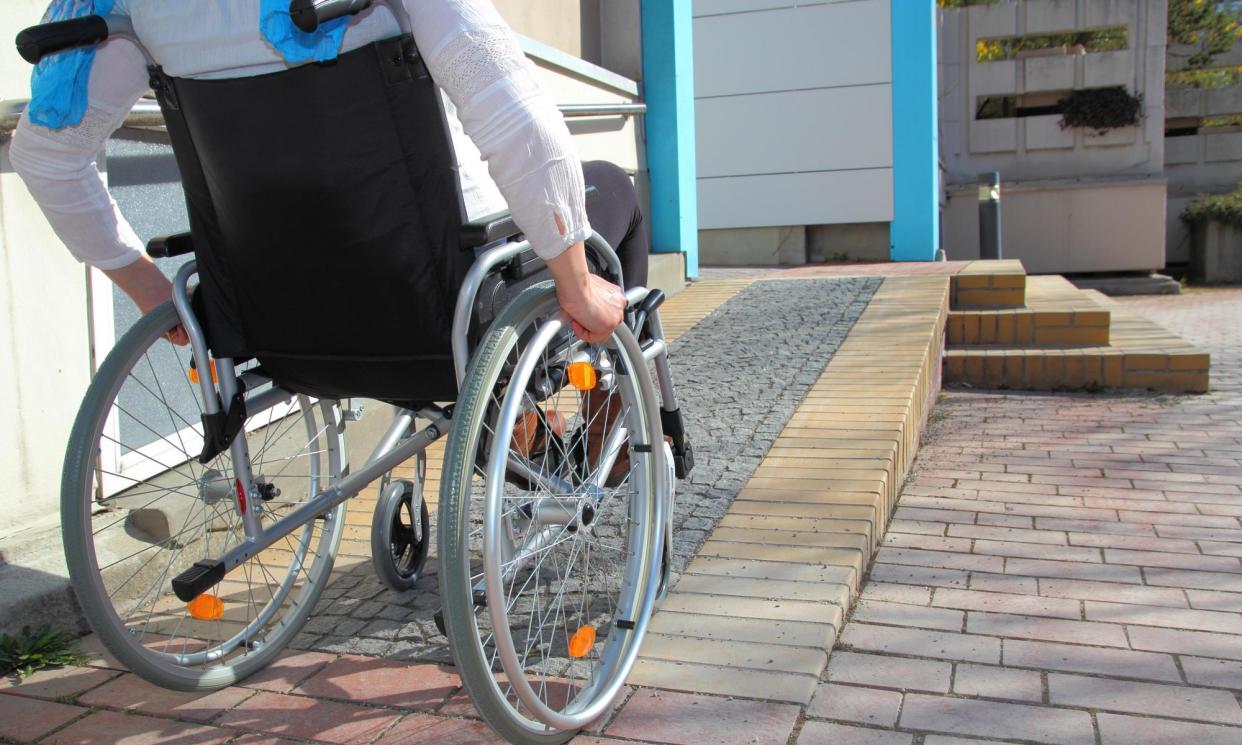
(198, 579)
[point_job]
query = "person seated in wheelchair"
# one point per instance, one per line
(326, 208)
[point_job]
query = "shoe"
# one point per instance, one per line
(531, 433)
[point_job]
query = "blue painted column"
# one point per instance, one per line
(668, 89)
(916, 176)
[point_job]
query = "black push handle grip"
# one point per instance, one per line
(37, 42)
(308, 14)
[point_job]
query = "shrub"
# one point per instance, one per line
(1225, 208)
(1100, 109)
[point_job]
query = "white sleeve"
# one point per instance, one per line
(474, 56)
(59, 167)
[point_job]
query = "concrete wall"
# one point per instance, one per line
(1036, 152)
(1036, 148)
(794, 114)
(1062, 227)
(43, 331)
(1209, 162)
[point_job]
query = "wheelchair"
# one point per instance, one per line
(204, 487)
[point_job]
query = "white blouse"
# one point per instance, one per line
(498, 113)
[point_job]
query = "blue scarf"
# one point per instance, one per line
(60, 82)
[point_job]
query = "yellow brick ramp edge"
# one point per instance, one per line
(759, 608)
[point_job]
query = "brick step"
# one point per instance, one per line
(1056, 313)
(1140, 355)
(989, 284)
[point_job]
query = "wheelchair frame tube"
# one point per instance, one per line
(326, 500)
(491, 258)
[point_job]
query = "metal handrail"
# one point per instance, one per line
(146, 113)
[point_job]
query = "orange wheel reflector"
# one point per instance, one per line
(582, 641)
(194, 372)
(206, 608)
(582, 376)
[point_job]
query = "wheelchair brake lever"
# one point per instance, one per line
(655, 298)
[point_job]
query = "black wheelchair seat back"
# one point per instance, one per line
(326, 218)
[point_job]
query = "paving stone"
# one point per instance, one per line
(1180, 702)
(830, 733)
(1074, 658)
(382, 682)
(1007, 603)
(425, 728)
(135, 694)
(26, 720)
(993, 719)
(936, 644)
(1198, 620)
(732, 653)
(887, 593)
(57, 683)
(874, 611)
(1046, 629)
(1196, 643)
(743, 629)
(1208, 672)
(706, 677)
(883, 671)
(299, 716)
(287, 671)
(1112, 592)
(115, 728)
(998, 682)
(686, 719)
(854, 704)
(1116, 729)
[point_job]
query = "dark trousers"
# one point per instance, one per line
(614, 214)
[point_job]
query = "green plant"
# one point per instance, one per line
(1226, 208)
(1100, 109)
(1209, 27)
(34, 650)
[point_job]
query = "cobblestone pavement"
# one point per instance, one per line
(1061, 569)
(740, 374)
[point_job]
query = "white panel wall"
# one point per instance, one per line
(793, 112)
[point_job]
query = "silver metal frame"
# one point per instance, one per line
(398, 444)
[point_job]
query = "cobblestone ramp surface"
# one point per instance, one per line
(740, 375)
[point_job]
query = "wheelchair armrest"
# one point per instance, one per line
(485, 230)
(499, 226)
(170, 245)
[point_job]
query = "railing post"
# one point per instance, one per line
(989, 215)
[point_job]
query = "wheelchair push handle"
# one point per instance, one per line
(308, 14)
(37, 42)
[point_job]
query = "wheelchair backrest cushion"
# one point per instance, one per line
(325, 208)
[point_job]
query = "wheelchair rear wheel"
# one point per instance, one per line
(550, 551)
(138, 508)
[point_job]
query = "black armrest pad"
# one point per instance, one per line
(499, 226)
(170, 245)
(485, 230)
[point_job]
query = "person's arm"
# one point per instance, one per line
(475, 57)
(59, 168)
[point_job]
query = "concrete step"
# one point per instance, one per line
(989, 284)
(1140, 355)
(1056, 313)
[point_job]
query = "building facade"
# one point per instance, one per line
(816, 130)
(1074, 199)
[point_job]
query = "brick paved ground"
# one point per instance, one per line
(1061, 569)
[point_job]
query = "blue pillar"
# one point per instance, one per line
(668, 83)
(916, 164)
